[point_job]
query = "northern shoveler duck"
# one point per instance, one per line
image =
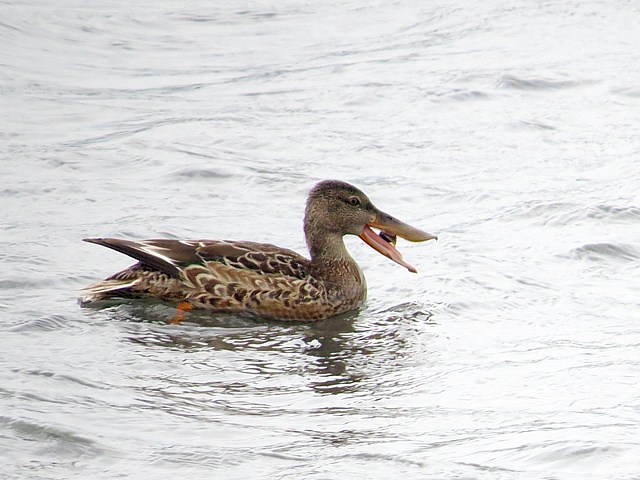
(261, 279)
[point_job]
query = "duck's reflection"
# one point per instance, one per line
(334, 356)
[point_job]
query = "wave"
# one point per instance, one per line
(521, 83)
(605, 251)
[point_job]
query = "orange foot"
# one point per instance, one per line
(180, 316)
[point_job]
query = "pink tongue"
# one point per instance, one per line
(384, 247)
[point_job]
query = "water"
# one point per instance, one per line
(509, 129)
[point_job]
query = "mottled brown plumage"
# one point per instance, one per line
(262, 279)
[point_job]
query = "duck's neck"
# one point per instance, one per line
(329, 247)
(331, 260)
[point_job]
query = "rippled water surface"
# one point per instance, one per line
(508, 128)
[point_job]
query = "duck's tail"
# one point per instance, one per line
(105, 289)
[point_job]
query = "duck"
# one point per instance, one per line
(259, 279)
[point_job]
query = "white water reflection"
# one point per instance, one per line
(507, 129)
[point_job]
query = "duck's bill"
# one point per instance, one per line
(384, 242)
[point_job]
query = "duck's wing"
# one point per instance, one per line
(174, 257)
(223, 276)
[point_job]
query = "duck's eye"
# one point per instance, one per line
(355, 201)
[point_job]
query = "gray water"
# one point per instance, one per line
(508, 128)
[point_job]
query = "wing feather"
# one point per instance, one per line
(173, 256)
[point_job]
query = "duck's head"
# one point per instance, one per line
(338, 208)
